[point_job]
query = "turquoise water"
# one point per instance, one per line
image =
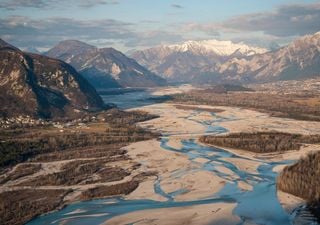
(259, 205)
(133, 99)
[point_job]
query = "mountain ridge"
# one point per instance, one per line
(39, 86)
(182, 62)
(222, 48)
(105, 67)
(299, 59)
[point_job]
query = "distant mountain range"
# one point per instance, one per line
(105, 67)
(187, 61)
(39, 86)
(298, 60)
(227, 62)
(32, 50)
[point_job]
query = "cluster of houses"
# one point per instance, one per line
(27, 121)
(21, 121)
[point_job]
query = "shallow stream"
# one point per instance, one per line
(259, 205)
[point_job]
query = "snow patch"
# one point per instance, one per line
(139, 72)
(223, 48)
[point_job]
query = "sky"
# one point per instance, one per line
(139, 24)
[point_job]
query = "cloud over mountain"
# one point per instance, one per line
(278, 26)
(287, 20)
(284, 21)
(24, 32)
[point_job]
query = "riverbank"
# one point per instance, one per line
(46, 167)
(195, 183)
(189, 176)
(200, 185)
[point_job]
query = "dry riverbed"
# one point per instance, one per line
(179, 123)
(161, 170)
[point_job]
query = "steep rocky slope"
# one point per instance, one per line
(299, 60)
(39, 86)
(105, 67)
(192, 60)
(226, 62)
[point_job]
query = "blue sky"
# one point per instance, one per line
(136, 24)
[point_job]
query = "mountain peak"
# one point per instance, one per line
(38, 86)
(70, 48)
(298, 60)
(74, 43)
(222, 48)
(104, 67)
(183, 62)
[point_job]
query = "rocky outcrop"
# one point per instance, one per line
(299, 60)
(226, 62)
(192, 61)
(39, 86)
(105, 67)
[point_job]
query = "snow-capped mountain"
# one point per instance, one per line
(222, 48)
(185, 61)
(300, 59)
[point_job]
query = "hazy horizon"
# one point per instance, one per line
(140, 24)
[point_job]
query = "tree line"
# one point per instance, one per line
(261, 142)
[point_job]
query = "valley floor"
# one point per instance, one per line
(197, 182)
(204, 184)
